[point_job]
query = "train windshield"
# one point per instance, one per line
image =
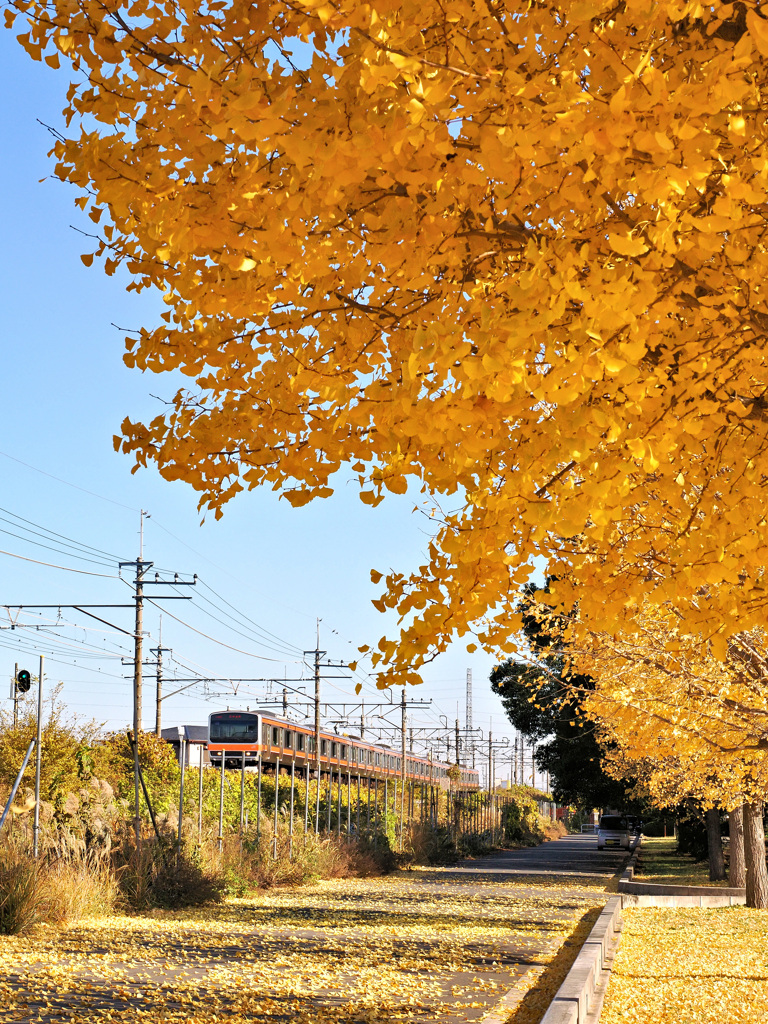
(234, 729)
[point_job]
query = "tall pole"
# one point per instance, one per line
(159, 679)
(183, 761)
(468, 712)
(138, 656)
(285, 702)
(15, 691)
(403, 773)
(317, 729)
(38, 760)
(490, 760)
(458, 742)
(362, 719)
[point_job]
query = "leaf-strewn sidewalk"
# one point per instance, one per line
(429, 945)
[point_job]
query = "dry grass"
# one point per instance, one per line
(271, 861)
(58, 891)
(79, 887)
(22, 894)
(688, 966)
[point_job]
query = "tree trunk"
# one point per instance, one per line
(737, 871)
(754, 855)
(715, 846)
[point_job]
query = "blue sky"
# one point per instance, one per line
(65, 392)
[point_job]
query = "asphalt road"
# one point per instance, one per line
(441, 944)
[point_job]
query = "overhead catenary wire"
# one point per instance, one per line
(69, 541)
(248, 654)
(66, 568)
(68, 483)
(261, 629)
(57, 550)
(291, 653)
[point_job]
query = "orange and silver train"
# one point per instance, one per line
(241, 736)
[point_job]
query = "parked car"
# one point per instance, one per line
(613, 830)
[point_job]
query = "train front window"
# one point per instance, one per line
(234, 730)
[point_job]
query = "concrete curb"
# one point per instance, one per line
(579, 999)
(649, 894)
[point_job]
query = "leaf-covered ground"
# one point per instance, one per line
(431, 944)
(688, 966)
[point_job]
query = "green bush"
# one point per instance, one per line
(521, 821)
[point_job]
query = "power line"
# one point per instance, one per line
(67, 483)
(248, 654)
(250, 635)
(66, 568)
(68, 540)
(242, 615)
(57, 550)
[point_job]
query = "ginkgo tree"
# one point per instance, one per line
(687, 723)
(512, 255)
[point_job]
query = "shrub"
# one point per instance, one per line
(182, 882)
(153, 876)
(431, 844)
(522, 822)
(78, 885)
(22, 891)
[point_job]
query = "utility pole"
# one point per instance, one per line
(468, 712)
(318, 653)
(362, 719)
(138, 643)
(403, 773)
(141, 567)
(38, 762)
(490, 761)
(468, 715)
(458, 743)
(15, 691)
(285, 702)
(158, 652)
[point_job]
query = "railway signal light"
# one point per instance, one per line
(23, 680)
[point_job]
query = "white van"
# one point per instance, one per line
(613, 830)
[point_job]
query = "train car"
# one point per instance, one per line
(253, 737)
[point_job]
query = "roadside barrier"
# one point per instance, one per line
(652, 894)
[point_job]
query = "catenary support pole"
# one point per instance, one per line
(258, 801)
(290, 820)
(200, 799)
(306, 799)
(242, 789)
(38, 760)
(221, 802)
(277, 801)
(182, 762)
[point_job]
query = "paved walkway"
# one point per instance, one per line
(439, 944)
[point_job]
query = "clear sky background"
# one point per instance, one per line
(65, 392)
